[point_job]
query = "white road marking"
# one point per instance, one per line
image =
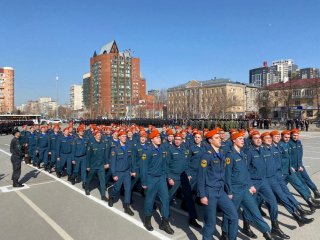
(45, 217)
(10, 188)
(103, 203)
(7, 144)
(35, 184)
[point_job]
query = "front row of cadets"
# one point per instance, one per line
(238, 173)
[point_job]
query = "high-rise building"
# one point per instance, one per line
(6, 90)
(76, 97)
(264, 76)
(86, 91)
(286, 68)
(115, 82)
(309, 73)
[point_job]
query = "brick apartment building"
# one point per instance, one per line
(6, 90)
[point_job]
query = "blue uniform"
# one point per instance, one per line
(111, 144)
(96, 161)
(120, 166)
(153, 176)
(196, 153)
(32, 141)
(211, 184)
(53, 145)
(257, 167)
(137, 152)
(79, 155)
(178, 171)
(64, 154)
(238, 184)
(42, 147)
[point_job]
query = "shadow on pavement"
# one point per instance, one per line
(29, 175)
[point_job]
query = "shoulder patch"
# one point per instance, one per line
(144, 156)
(228, 160)
(209, 151)
(113, 153)
(203, 163)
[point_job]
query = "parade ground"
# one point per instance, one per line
(51, 208)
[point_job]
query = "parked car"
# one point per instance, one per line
(56, 121)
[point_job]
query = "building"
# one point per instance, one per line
(286, 68)
(308, 73)
(293, 99)
(44, 106)
(115, 82)
(6, 90)
(215, 98)
(263, 76)
(76, 97)
(86, 91)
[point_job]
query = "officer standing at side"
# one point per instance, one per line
(16, 157)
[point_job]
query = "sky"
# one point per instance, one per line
(176, 40)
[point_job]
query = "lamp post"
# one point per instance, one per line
(57, 108)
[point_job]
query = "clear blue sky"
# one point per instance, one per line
(176, 40)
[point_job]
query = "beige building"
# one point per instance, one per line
(215, 98)
(6, 90)
(76, 97)
(293, 99)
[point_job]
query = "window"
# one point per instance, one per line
(276, 104)
(276, 94)
(309, 113)
(297, 102)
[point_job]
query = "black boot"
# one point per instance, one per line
(83, 185)
(301, 220)
(59, 174)
(315, 200)
(313, 206)
(147, 223)
(316, 194)
(268, 236)
(87, 191)
(165, 226)
(73, 180)
(110, 202)
(193, 223)
(303, 212)
(104, 198)
(128, 210)
(69, 178)
(277, 231)
(246, 230)
(224, 236)
(263, 214)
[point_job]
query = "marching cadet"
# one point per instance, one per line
(240, 188)
(42, 148)
(297, 164)
(137, 152)
(226, 145)
(163, 134)
(211, 184)
(24, 142)
(64, 154)
(197, 150)
(277, 185)
(120, 166)
(189, 137)
(53, 145)
(96, 164)
(112, 143)
(169, 140)
(290, 176)
(79, 157)
(153, 180)
(32, 141)
(16, 157)
(179, 176)
(258, 170)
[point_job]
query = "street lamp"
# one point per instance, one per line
(57, 108)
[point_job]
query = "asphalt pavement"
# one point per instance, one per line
(51, 208)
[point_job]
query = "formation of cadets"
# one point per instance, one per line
(246, 171)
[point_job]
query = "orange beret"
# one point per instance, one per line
(275, 132)
(295, 131)
(43, 126)
(254, 132)
(80, 129)
(233, 130)
(221, 130)
(154, 133)
(96, 132)
(122, 133)
(67, 128)
(236, 135)
(169, 132)
(265, 134)
(178, 135)
(115, 131)
(56, 126)
(196, 132)
(212, 133)
(285, 132)
(143, 134)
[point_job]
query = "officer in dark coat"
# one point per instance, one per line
(16, 158)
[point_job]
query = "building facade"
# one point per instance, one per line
(285, 68)
(76, 97)
(264, 76)
(215, 98)
(6, 90)
(308, 73)
(115, 82)
(294, 99)
(86, 91)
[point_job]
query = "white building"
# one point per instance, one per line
(76, 97)
(285, 67)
